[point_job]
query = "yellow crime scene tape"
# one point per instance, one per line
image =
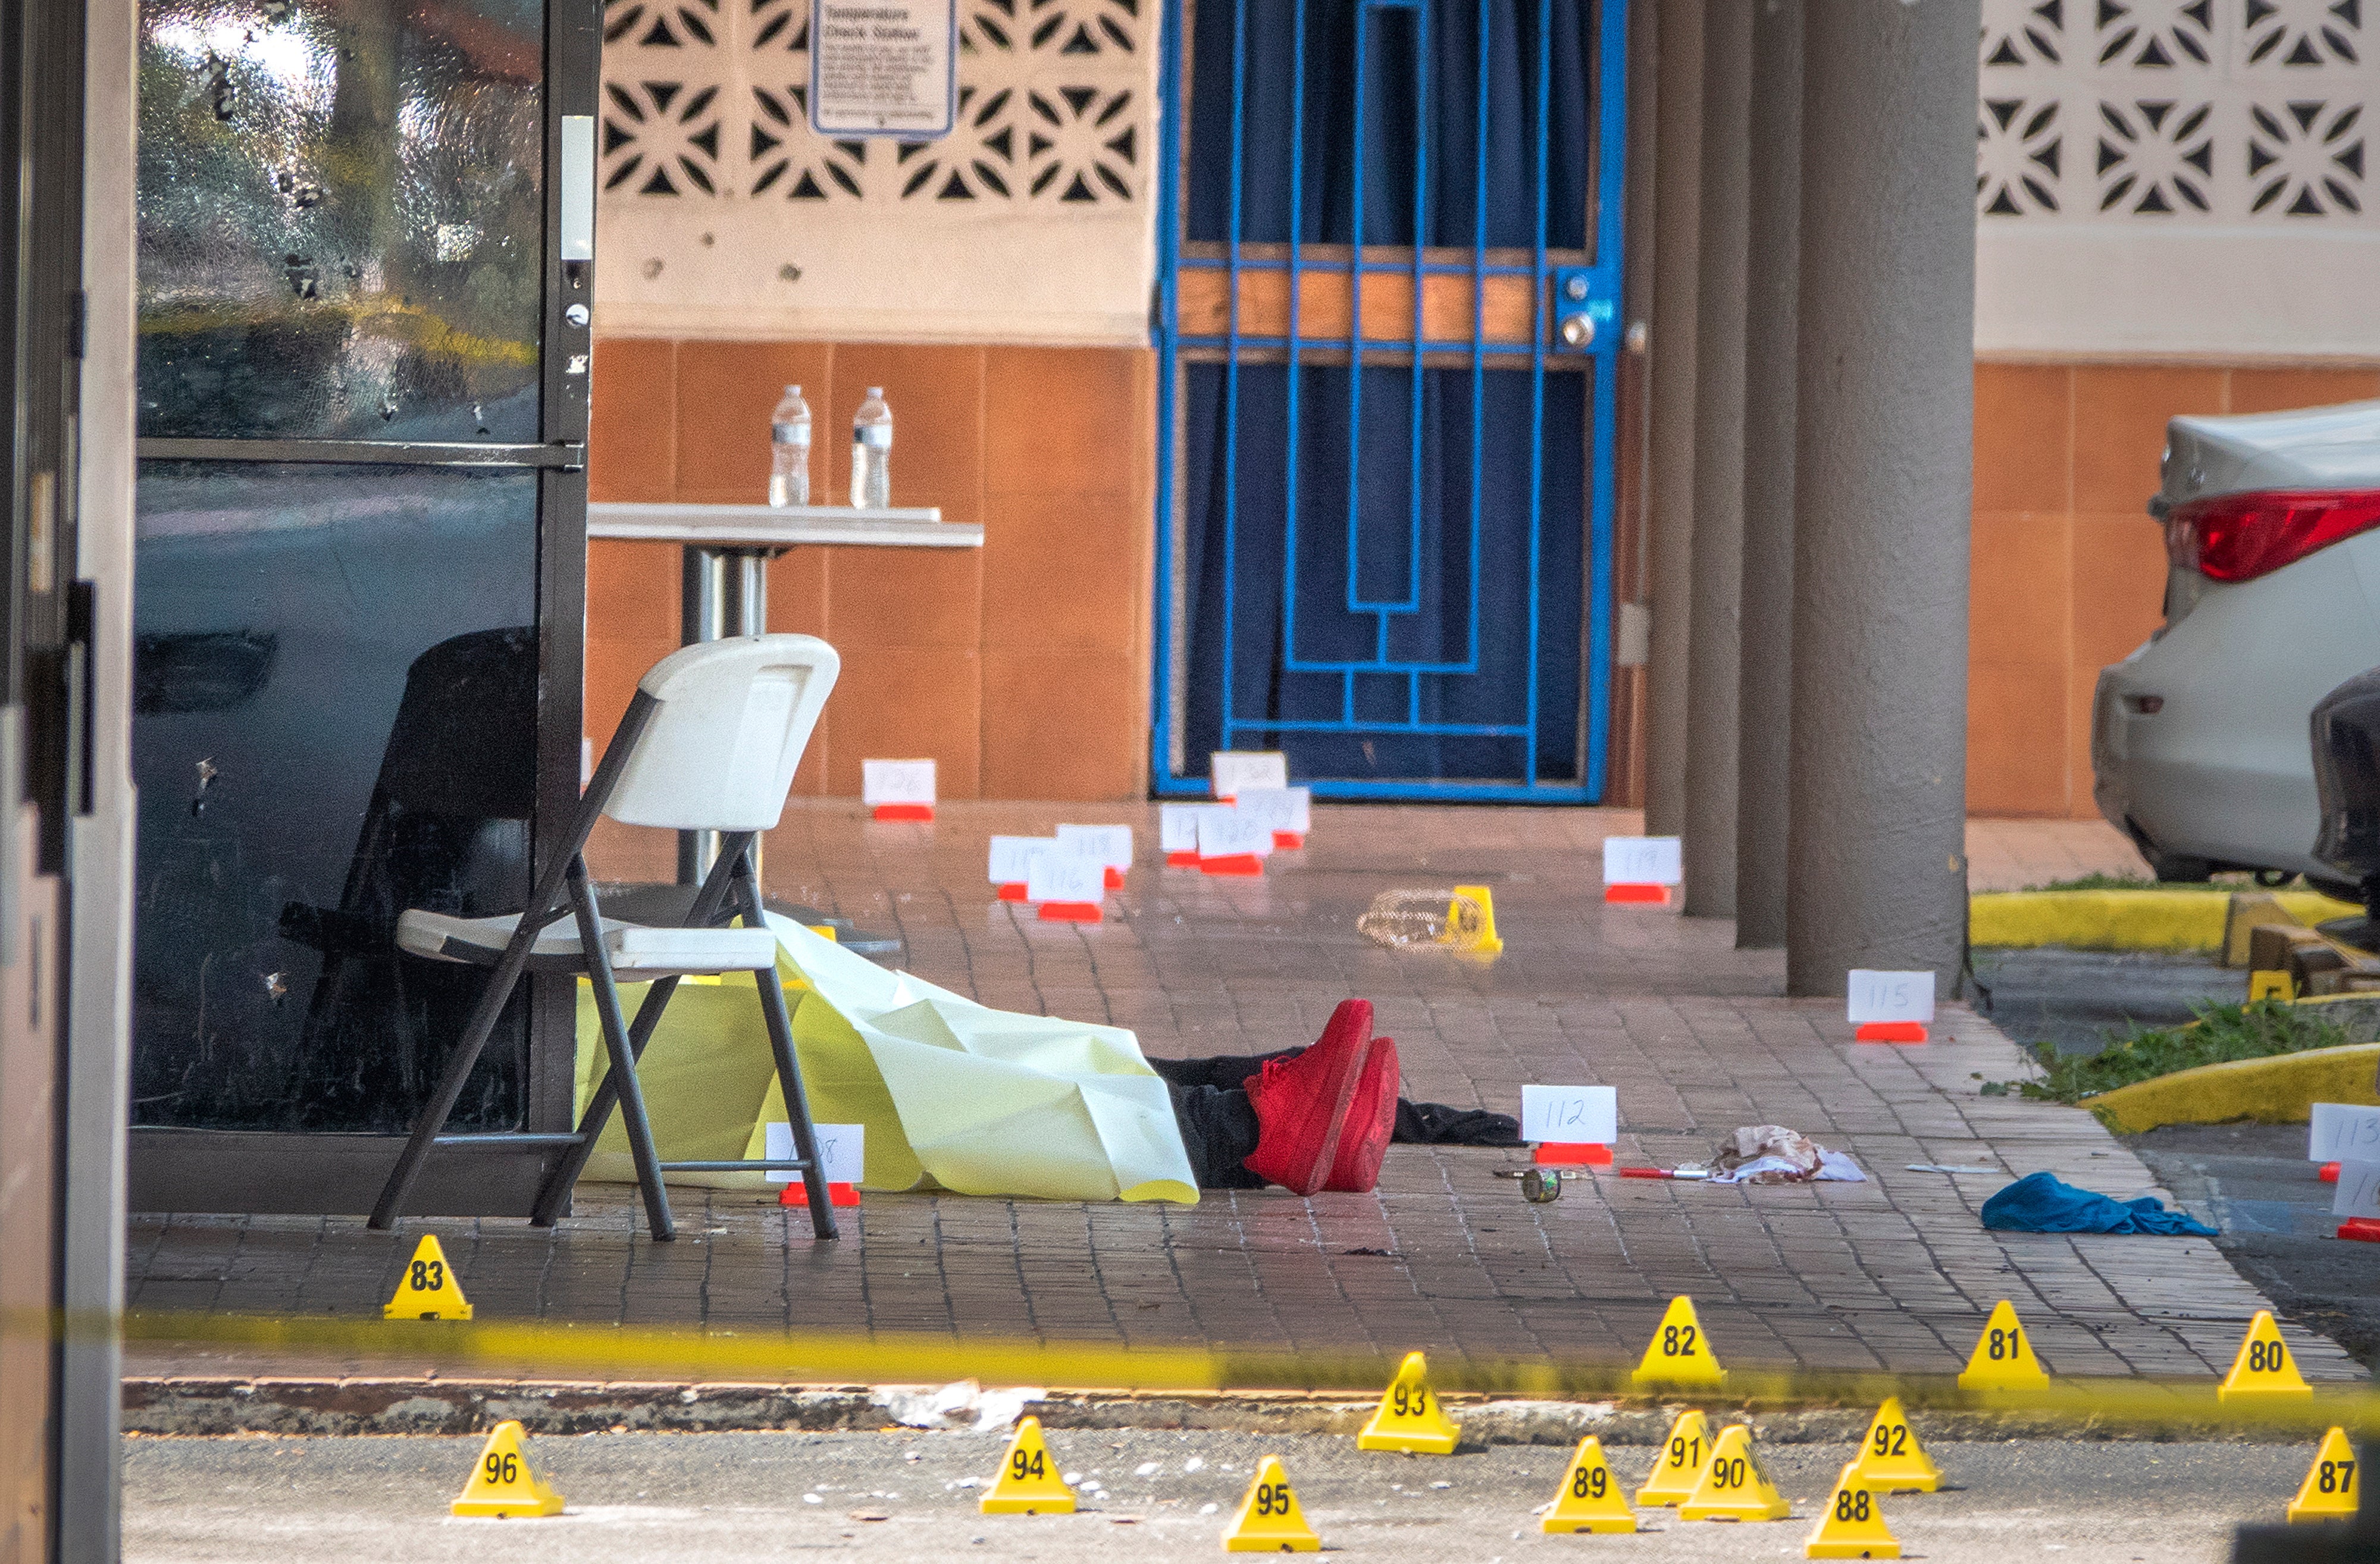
(545, 1351)
(1718, 1478)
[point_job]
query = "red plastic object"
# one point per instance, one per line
(2240, 537)
(798, 1194)
(1288, 841)
(2363, 1229)
(1647, 1174)
(1115, 877)
(1181, 860)
(1891, 1032)
(1571, 1154)
(1243, 864)
(1014, 891)
(2330, 1173)
(1657, 895)
(904, 811)
(1070, 912)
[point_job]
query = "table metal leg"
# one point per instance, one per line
(723, 592)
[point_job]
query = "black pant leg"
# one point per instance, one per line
(1222, 1071)
(1418, 1123)
(1220, 1131)
(1435, 1124)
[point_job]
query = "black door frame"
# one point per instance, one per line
(336, 1173)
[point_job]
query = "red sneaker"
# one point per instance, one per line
(1370, 1124)
(1302, 1102)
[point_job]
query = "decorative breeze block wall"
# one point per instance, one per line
(723, 214)
(2178, 176)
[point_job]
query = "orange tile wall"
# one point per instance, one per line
(1021, 668)
(2068, 569)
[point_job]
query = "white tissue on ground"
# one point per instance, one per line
(964, 1404)
(1768, 1154)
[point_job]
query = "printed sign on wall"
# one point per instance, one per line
(884, 67)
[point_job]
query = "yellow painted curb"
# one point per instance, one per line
(2280, 1090)
(2123, 920)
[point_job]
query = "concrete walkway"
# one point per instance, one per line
(1896, 1273)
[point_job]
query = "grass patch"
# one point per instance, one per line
(2225, 883)
(2221, 1033)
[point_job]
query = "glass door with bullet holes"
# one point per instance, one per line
(366, 276)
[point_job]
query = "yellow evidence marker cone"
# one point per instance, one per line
(1680, 1354)
(2003, 1358)
(1890, 1458)
(1483, 940)
(1684, 1456)
(1733, 1487)
(1028, 1481)
(1852, 1525)
(1268, 1520)
(2264, 1367)
(1591, 1498)
(501, 1484)
(2332, 1483)
(1410, 1418)
(428, 1289)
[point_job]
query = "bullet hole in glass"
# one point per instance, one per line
(219, 86)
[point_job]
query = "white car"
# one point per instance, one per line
(2200, 744)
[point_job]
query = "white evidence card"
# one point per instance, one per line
(1177, 827)
(2341, 1131)
(2359, 1191)
(1234, 770)
(1890, 995)
(1111, 845)
(1056, 875)
(1227, 833)
(1570, 1115)
(1282, 808)
(896, 782)
(843, 1147)
(1012, 856)
(1642, 860)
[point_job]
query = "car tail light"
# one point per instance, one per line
(2240, 537)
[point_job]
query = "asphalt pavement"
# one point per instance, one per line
(660, 1498)
(2253, 1181)
(2250, 1180)
(2075, 999)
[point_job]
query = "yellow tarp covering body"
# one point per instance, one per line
(954, 1095)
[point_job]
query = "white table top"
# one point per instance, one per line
(766, 527)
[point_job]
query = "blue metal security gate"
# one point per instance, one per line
(1388, 283)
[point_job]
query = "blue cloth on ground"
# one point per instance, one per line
(2045, 1202)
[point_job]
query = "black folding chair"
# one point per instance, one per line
(710, 743)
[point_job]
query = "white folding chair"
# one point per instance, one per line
(710, 743)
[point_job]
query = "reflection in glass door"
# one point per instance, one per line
(363, 355)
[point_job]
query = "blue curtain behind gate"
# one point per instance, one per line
(1263, 686)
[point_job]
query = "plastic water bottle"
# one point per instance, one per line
(871, 453)
(789, 441)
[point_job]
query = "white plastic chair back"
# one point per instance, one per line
(731, 722)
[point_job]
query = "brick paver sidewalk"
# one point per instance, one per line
(1895, 1273)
